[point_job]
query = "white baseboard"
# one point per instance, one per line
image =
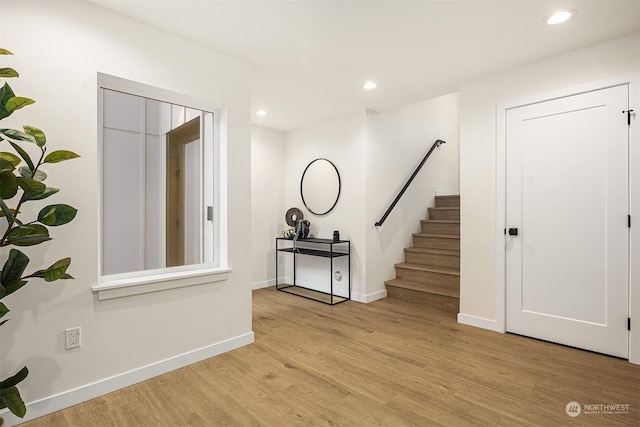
(479, 322)
(367, 298)
(271, 282)
(87, 392)
(263, 284)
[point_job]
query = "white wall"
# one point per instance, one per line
(267, 201)
(396, 142)
(340, 140)
(478, 100)
(130, 338)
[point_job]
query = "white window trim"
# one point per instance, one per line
(122, 285)
(147, 281)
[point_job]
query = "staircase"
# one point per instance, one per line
(431, 269)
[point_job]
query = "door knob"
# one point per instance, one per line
(513, 232)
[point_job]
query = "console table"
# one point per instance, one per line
(324, 248)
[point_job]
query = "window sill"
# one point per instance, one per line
(112, 287)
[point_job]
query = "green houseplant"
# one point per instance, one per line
(22, 181)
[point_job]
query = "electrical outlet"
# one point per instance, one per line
(72, 338)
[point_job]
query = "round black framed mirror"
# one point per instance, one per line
(320, 186)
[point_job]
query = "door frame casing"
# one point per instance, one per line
(634, 197)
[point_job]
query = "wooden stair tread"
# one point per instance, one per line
(430, 289)
(420, 267)
(445, 201)
(437, 236)
(432, 251)
(442, 221)
(445, 208)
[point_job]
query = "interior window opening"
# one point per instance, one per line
(157, 205)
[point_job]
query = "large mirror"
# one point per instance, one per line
(320, 186)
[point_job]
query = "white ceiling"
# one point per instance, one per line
(310, 58)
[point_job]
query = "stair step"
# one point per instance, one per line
(433, 257)
(425, 288)
(427, 300)
(440, 226)
(436, 241)
(427, 269)
(429, 276)
(448, 201)
(445, 213)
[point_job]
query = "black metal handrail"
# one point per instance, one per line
(409, 181)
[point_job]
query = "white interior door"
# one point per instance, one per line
(567, 196)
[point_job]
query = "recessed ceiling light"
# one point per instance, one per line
(261, 113)
(370, 85)
(559, 17)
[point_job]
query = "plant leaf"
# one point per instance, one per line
(6, 165)
(14, 380)
(14, 287)
(8, 72)
(37, 134)
(3, 214)
(14, 267)
(60, 156)
(3, 309)
(49, 191)
(27, 235)
(9, 213)
(8, 185)
(55, 271)
(10, 157)
(23, 154)
(38, 176)
(17, 135)
(10, 398)
(5, 52)
(55, 215)
(28, 230)
(5, 94)
(17, 102)
(30, 185)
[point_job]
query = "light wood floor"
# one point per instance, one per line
(391, 362)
